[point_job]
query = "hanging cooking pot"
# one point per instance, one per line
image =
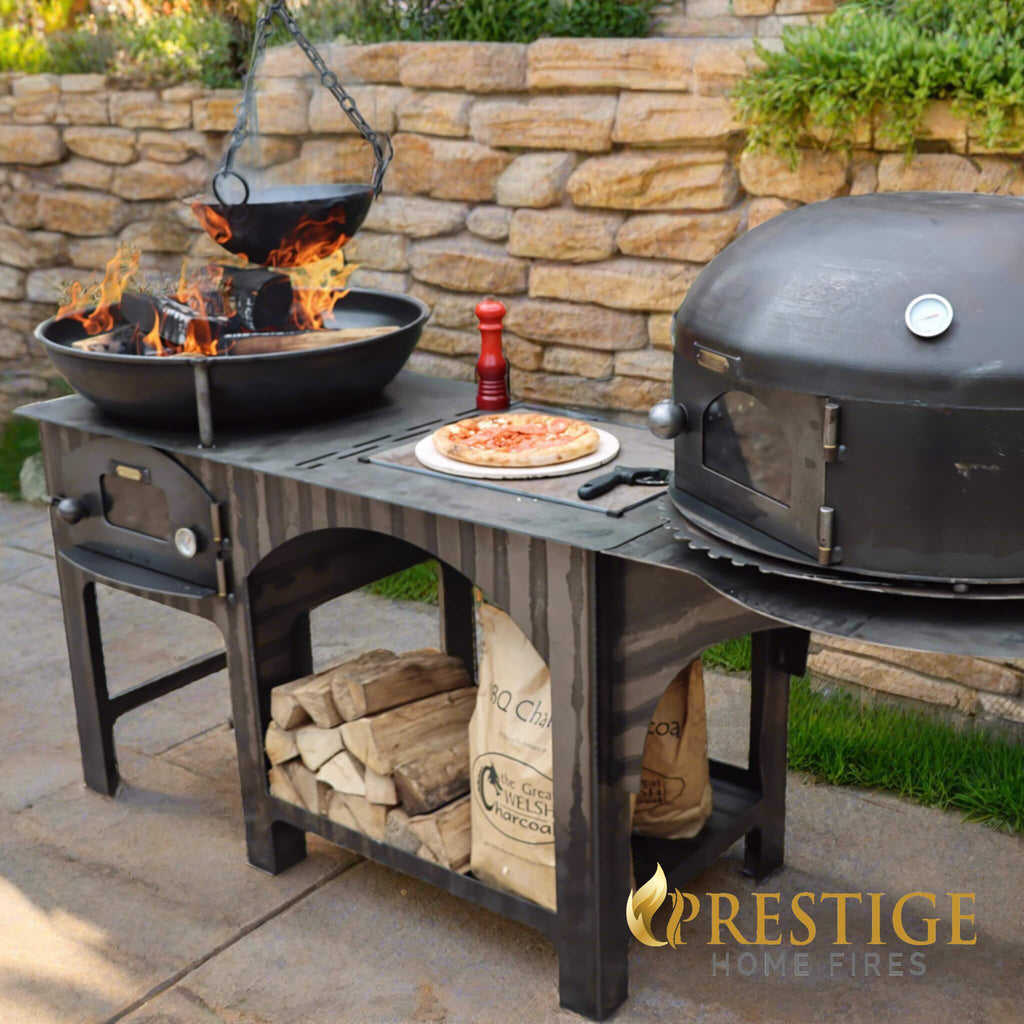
(272, 225)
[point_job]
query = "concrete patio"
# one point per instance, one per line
(143, 909)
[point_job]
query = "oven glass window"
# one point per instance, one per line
(135, 505)
(743, 442)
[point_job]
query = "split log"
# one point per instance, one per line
(436, 774)
(315, 795)
(380, 789)
(314, 694)
(424, 854)
(343, 774)
(338, 812)
(280, 744)
(397, 832)
(372, 688)
(285, 708)
(446, 833)
(316, 746)
(282, 787)
(379, 740)
(260, 344)
(370, 818)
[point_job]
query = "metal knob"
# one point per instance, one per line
(71, 510)
(186, 542)
(667, 419)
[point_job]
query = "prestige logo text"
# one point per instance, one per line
(712, 920)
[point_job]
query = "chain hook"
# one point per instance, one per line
(383, 150)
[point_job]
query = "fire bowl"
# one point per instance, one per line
(276, 219)
(276, 387)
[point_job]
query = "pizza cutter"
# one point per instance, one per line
(645, 476)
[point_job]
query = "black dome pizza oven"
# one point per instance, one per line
(848, 395)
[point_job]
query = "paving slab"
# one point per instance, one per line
(33, 534)
(110, 898)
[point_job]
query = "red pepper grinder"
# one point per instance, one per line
(491, 367)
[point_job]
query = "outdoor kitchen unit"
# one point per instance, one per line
(848, 395)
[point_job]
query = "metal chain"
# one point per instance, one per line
(381, 143)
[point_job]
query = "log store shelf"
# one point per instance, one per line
(615, 605)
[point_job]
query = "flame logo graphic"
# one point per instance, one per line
(642, 906)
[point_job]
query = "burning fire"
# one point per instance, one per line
(311, 256)
(213, 223)
(121, 268)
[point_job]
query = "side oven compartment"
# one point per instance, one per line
(131, 511)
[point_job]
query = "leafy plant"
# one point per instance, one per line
(882, 61)
(502, 21)
(178, 48)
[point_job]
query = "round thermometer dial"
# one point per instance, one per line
(929, 315)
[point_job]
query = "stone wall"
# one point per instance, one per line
(962, 690)
(764, 19)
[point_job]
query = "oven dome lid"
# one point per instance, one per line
(816, 300)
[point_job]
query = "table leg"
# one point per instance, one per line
(776, 653)
(88, 680)
(592, 819)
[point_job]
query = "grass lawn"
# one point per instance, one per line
(19, 438)
(838, 740)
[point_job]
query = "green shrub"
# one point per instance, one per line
(179, 48)
(885, 60)
(20, 51)
(500, 21)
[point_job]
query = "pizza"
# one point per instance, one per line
(514, 439)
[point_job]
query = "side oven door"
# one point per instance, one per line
(753, 460)
(137, 501)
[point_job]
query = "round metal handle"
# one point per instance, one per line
(667, 419)
(71, 510)
(186, 542)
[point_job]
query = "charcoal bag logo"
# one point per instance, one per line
(516, 798)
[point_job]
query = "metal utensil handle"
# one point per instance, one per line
(381, 143)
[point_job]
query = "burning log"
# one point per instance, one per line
(175, 322)
(262, 299)
(121, 340)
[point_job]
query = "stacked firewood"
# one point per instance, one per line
(380, 744)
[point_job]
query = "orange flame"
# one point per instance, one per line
(317, 288)
(195, 292)
(213, 223)
(121, 268)
(310, 240)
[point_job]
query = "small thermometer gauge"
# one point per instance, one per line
(929, 315)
